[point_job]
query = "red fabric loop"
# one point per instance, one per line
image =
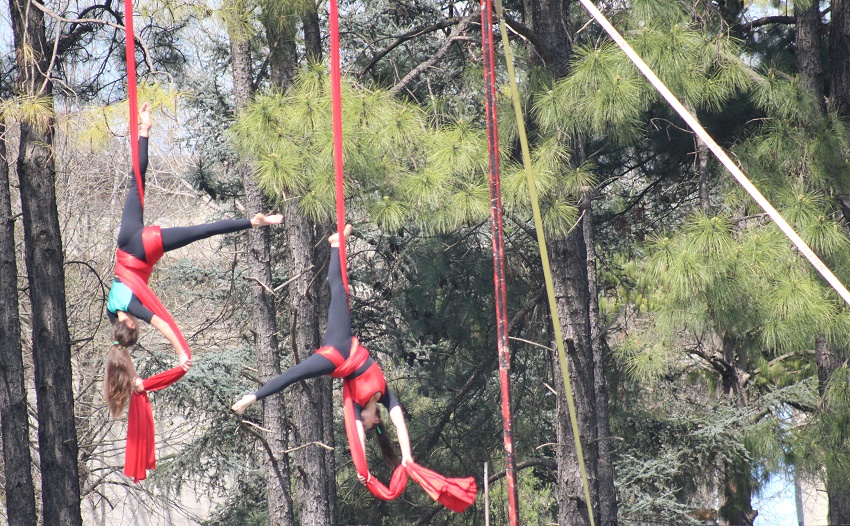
(457, 494)
(140, 456)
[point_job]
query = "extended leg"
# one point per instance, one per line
(338, 331)
(315, 365)
(132, 220)
(177, 237)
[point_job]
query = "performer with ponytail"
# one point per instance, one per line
(130, 299)
(364, 387)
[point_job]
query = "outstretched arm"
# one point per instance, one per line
(163, 327)
(397, 416)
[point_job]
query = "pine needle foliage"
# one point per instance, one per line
(400, 168)
(100, 124)
(605, 95)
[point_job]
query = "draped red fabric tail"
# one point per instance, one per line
(457, 494)
(132, 98)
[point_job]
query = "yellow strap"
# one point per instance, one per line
(544, 256)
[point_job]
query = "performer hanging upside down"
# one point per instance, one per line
(130, 299)
(368, 384)
(364, 386)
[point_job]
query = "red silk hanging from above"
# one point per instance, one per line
(132, 97)
(139, 456)
(457, 494)
(336, 111)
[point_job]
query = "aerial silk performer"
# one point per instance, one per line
(364, 387)
(130, 299)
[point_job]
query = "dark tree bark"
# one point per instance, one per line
(808, 48)
(605, 466)
(312, 401)
(703, 157)
(312, 34)
(57, 436)
(20, 491)
(283, 57)
(550, 22)
(569, 272)
(838, 492)
(277, 471)
(573, 269)
(839, 56)
(312, 410)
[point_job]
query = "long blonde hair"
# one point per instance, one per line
(120, 372)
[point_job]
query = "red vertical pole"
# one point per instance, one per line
(336, 109)
(498, 254)
(132, 98)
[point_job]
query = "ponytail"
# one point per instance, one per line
(118, 380)
(120, 372)
(387, 449)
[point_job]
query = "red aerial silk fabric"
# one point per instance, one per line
(454, 493)
(134, 273)
(336, 117)
(132, 98)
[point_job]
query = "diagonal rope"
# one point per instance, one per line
(500, 291)
(718, 152)
(132, 97)
(544, 257)
(336, 110)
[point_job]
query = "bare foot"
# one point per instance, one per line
(264, 220)
(334, 238)
(243, 403)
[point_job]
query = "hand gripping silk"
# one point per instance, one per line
(134, 273)
(454, 493)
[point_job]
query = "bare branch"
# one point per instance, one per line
(416, 32)
(444, 49)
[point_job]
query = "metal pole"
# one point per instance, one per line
(498, 254)
(486, 497)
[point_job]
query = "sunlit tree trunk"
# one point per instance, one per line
(20, 491)
(57, 435)
(277, 470)
(311, 410)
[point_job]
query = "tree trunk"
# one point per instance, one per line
(283, 57)
(837, 491)
(569, 270)
(704, 190)
(839, 56)
(605, 467)
(736, 504)
(312, 400)
(808, 48)
(20, 491)
(277, 471)
(550, 21)
(57, 436)
(573, 268)
(312, 34)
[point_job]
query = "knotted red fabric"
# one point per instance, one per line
(454, 493)
(139, 456)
